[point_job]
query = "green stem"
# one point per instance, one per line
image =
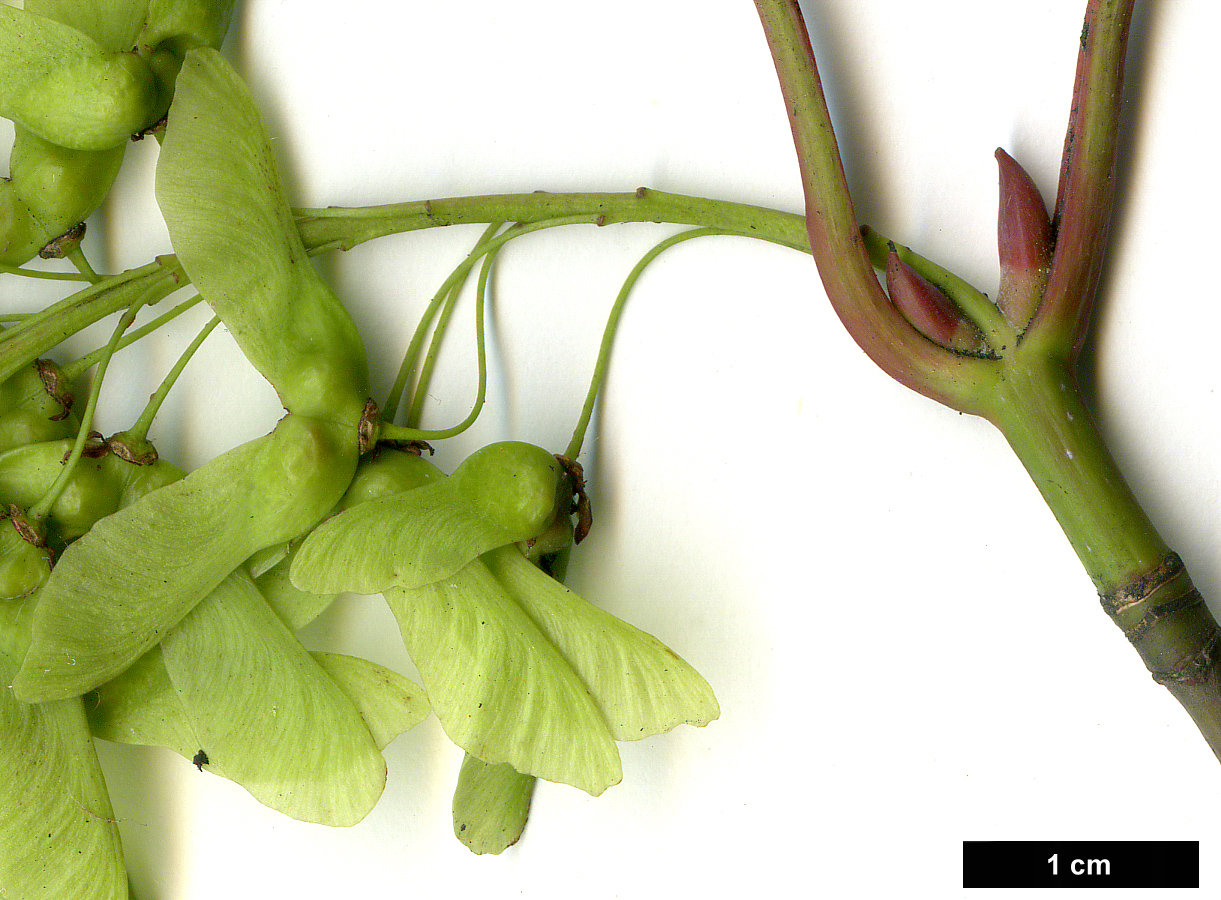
(8, 269)
(447, 311)
(78, 367)
(612, 325)
(416, 411)
(338, 228)
(139, 430)
(486, 245)
(42, 508)
(1143, 585)
(390, 431)
(456, 279)
(1037, 405)
(28, 340)
(1087, 177)
(77, 257)
(1040, 410)
(835, 240)
(481, 362)
(1031, 393)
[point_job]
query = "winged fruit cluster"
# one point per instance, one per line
(147, 605)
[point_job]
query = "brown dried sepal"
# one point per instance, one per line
(28, 531)
(416, 447)
(58, 248)
(138, 453)
(53, 382)
(152, 130)
(96, 447)
(369, 439)
(370, 426)
(581, 506)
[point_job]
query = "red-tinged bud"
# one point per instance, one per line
(1025, 242)
(928, 310)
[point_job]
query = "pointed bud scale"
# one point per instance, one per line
(1024, 240)
(928, 310)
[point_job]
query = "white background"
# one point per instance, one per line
(906, 651)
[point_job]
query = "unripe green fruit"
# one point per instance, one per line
(140, 480)
(183, 25)
(165, 66)
(390, 472)
(29, 414)
(327, 380)
(19, 241)
(404, 526)
(516, 485)
(112, 24)
(92, 492)
(551, 549)
(19, 427)
(23, 567)
(60, 187)
(16, 390)
(95, 104)
(305, 470)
